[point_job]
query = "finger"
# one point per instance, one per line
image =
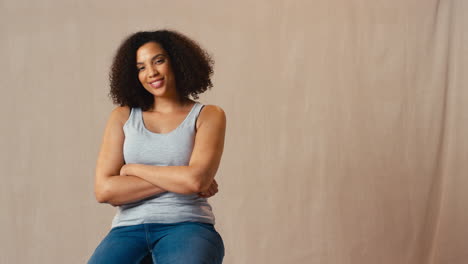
(213, 190)
(212, 185)
(210, 191)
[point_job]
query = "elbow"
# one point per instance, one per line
(191, 187)
(104, 197)
(200, 184)
(101, 194)
(198, 181)
(100, 198)
(196, 187)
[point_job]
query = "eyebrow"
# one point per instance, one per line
(154, 57)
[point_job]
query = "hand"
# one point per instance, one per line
(212, 190)
(124, 170)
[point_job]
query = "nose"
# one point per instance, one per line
(152, 71)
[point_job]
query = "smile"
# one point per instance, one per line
(157, 84)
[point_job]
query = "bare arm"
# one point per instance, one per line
(128, 189)
(176, 178)
(198, 176)
(110, 187)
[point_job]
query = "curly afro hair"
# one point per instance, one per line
(192, 67)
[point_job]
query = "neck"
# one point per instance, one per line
(168, 105)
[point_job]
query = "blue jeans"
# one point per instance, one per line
(184, 242)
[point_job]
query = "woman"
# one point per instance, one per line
(160, 153)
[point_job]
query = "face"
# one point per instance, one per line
(154, 70)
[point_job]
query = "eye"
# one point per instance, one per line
(138, 69)
(160, 61)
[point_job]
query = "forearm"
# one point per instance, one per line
(178, 179)
(126, 189)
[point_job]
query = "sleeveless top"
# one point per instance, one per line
(169, 149)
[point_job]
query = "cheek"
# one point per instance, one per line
(170, 75)
(167, 69)
(140, 78)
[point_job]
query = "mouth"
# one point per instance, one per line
(157, 84)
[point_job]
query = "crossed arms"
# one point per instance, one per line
(117, 183)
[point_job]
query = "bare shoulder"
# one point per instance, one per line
(120, 114)
(212, 113)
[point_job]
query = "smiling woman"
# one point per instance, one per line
(154, 70)
(191, 65)
(160, 153)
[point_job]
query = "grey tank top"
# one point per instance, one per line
(168, 149)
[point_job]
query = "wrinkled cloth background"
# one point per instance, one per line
(346, 139)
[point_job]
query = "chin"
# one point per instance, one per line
(156, 90)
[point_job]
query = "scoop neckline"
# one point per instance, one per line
(170, 132)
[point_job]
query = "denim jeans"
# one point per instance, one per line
(184, 242)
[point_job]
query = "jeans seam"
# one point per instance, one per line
(147, 240)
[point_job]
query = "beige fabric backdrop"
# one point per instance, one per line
(347, 125)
